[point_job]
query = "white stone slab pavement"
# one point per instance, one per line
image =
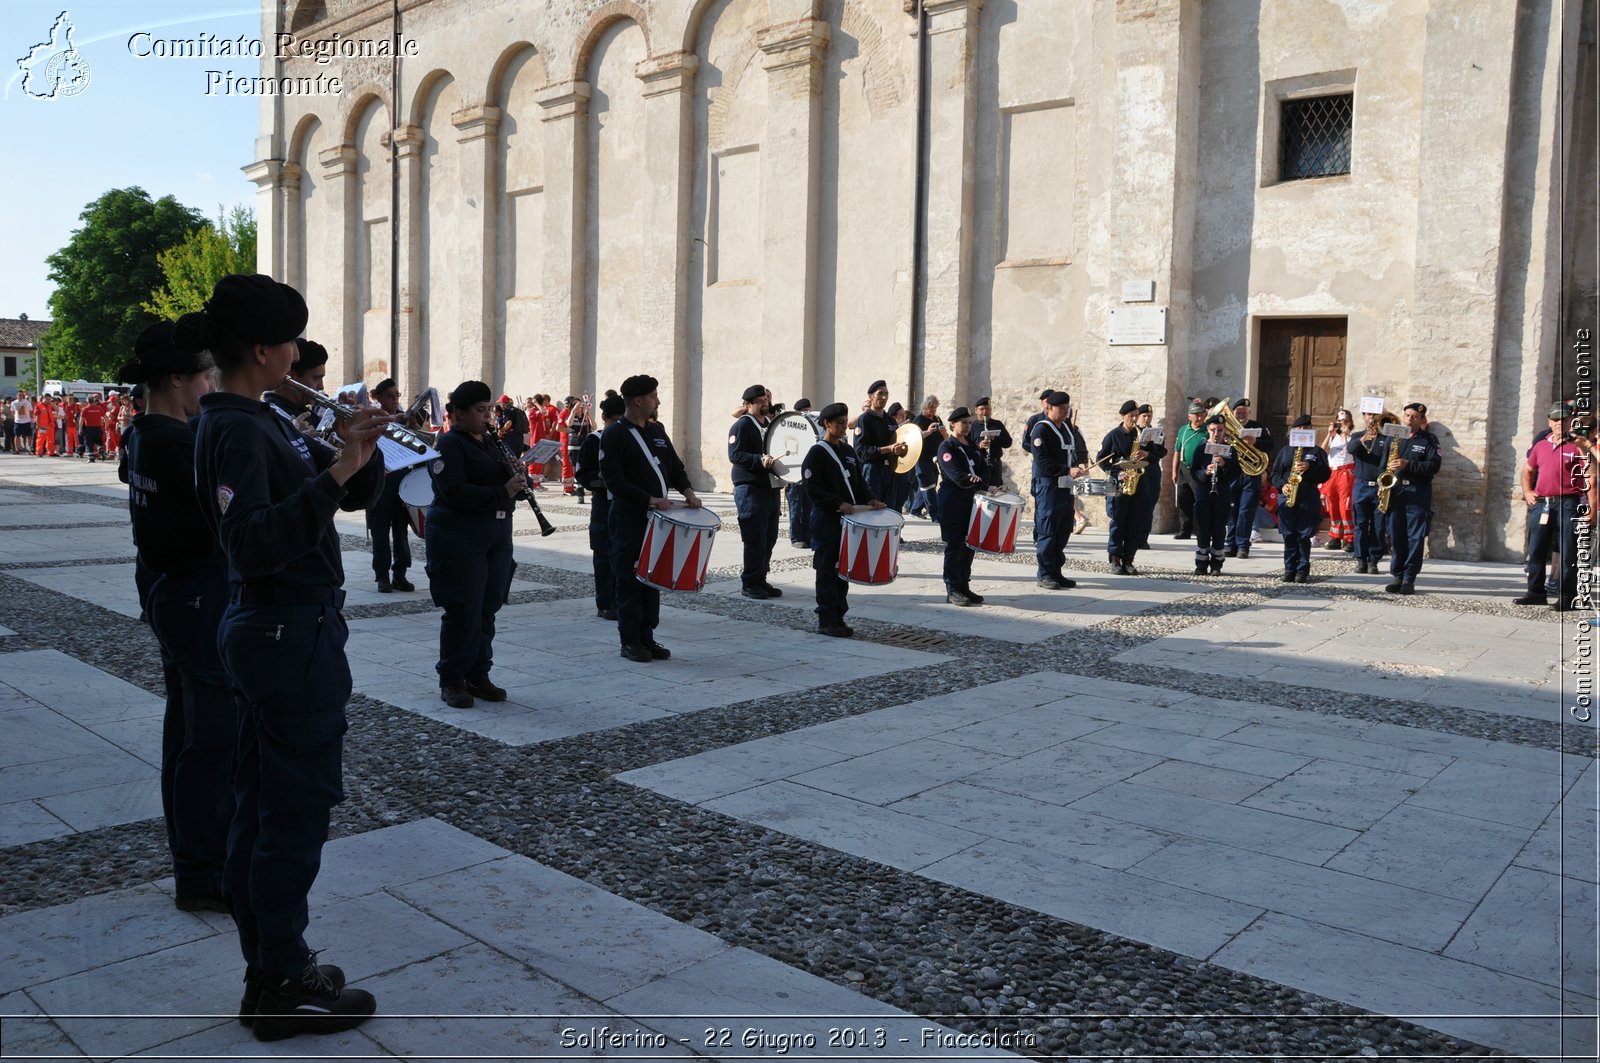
(82, 750)
(467, 947)
(1204, 826)
(1452, 660)
(560, 665)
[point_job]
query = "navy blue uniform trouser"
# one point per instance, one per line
(833, 593)
(469, 576)
(1553, 525)
(386, 524)
(291, 681)
(1210, 521)
(953, 521)
(799, 514)
(1052, 527)
(1122, 540)
(1298, 525)
(638, 604)
(1410, 514)
(200, 728)
(883, 482)
(758, 509)
(1370, 525)
(1246, 492)
(605, 585)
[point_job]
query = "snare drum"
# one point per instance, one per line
(869, 546)
(416, 492)
(1085, 485)
(993, 527)
(677, 548)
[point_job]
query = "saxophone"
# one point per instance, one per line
(1387, 479)
(1291, 486)
(1130, 478)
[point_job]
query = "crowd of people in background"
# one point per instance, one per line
(56, 426)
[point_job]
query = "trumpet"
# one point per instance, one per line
(1251, 459)
(417, 442)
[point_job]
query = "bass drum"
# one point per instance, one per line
(789, 437)
(416, 494)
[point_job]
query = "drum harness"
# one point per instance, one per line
(842, 470)
(655, 464)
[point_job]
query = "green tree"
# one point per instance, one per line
(193, 268)
(104, 275)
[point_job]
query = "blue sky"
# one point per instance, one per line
(146, 122)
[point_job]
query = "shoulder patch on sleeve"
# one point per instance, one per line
(224, 497)
(945, 455)
(732, 440)
(437, 466)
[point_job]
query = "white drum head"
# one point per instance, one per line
(416, 488)
(875, 518)
(789, 436)
(690, 518)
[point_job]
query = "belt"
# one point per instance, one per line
(277, 594)
(1371, 483)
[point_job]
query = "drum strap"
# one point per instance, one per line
(1069, 446)
(655, 466)
(825, 445)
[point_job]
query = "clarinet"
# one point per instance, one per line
(545, 527)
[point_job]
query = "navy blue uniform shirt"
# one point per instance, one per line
(632, 477)
(747, 445)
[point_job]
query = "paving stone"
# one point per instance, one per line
(1394, 913)
(1493, 792)
(380, 859)
(891, 774)
(78, 691)
(732, 768)
(1459, 998)
(1064, 774)
(1217, 754)
(1344, 750)
(1528, 921)
(1039, 824)
(1434, 851)
(849, 825)
(68, 775)
(1200, 780)
(28, 821)
(1183, 920)
(1262, 831)
(591, 941)
(108, 586)
(103, 806)
(1332, 792)
(1564, 844)
(1027, 731)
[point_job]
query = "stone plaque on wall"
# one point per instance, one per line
(1136, 326)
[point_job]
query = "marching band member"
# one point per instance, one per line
(511, 425)
(183, 590)
(799, 504)
(638, 464)
(1128, 516)
(468, 533)
(754, 495)
(1055, 449)
(1035, 418)
(925, 474)
(1416, 463)
(1246, 489)
(1556, 480)
(993, 446)
(1149, 494)
(1298, 522)
(271, 499)
(1368, 450)
(387, 525)
(310, 367)
(876, 446)
(1191, 437)
(1213, 476)
(965, 472)
(587, 472)
(836, 486)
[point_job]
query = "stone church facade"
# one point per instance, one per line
(1303, 201)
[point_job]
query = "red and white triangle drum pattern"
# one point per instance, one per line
(677, 549)
(869, 546)
(993, 527)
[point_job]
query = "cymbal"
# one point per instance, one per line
(911, 436)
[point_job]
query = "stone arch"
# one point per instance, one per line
(360, 97)
(303, 129)
(315, 267)
(442, 214)
(307, 12)
(367, 131)
(599, 24)
(423, 91)
(515, 54)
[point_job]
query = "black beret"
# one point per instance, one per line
(1303, 421)
(960, 413)
(833, 411)
(470, 393)
(1242, 401)
(155, 354)
(1419, 407)
(1060, 398)
(384, 385)
(1129, 407)
(981, 402)
(876, 385)
(642, 384)
(894, 408)
(613, 406)
(803, 405)
(257, 309)
(1216, 418)
(752, 393)
(312, 354)
(1145, 408)
(1046, 393)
